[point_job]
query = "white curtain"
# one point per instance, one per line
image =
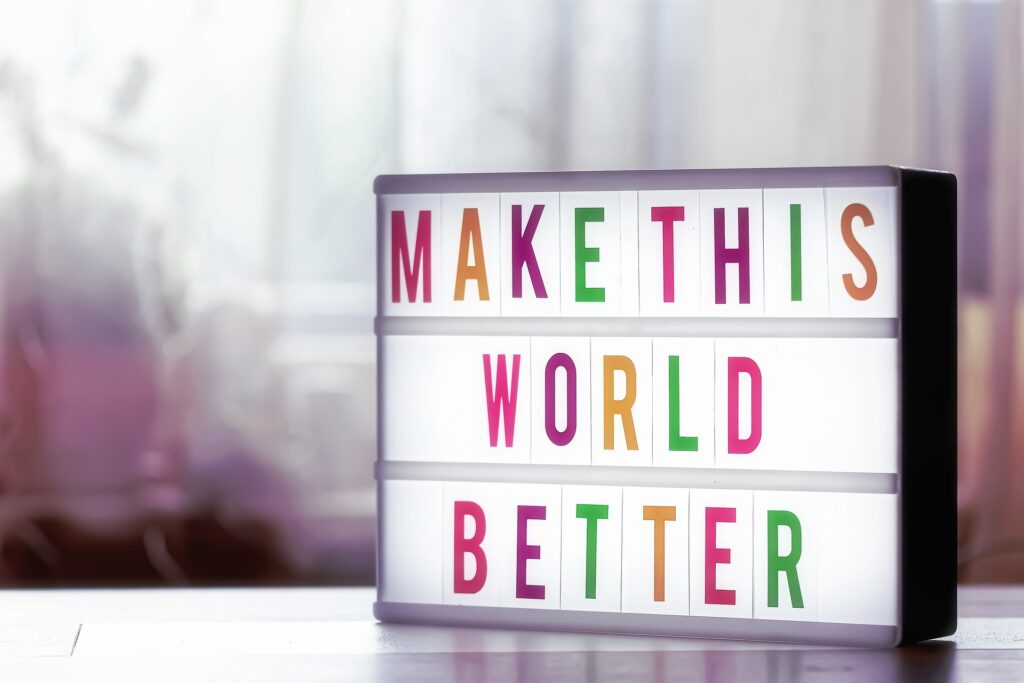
(257, 127)
(993, 463)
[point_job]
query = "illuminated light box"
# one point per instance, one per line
(707, 403)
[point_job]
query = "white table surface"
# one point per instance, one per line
(288, 634)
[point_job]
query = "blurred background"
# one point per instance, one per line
(187, 381)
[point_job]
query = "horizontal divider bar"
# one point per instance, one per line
(575, 181)
(800, 328)
(680, 477)
(820, 633)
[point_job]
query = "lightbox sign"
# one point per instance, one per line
(713, 403)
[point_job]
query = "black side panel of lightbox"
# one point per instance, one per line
(928, 416)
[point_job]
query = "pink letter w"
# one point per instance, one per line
(501, 398)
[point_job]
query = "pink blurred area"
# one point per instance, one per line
(187, 364)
